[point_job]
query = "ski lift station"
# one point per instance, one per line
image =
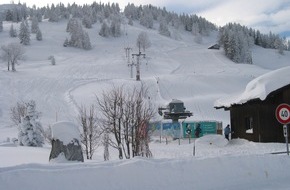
(176, 129)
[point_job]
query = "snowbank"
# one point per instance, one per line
(239, 173)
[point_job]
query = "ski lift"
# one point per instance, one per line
(175, 110)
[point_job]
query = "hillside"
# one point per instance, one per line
(184, 70)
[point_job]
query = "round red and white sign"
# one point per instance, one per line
(283, 113)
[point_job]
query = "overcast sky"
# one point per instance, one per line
(265, 15)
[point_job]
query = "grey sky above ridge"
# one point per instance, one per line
(264, 15)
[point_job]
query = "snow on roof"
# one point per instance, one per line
(176, 101)
(65, 131)
(259, 88)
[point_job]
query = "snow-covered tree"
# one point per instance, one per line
(52, 59)
(131, 11)
(237, 43)
(79, 37)
(88, 17)
(30, 129)
(54, 13)
(143, 41)
(1, 25)
(12, 32)
(115, 29)
(105, 30)
(86, 41)
(24, 34)
(87, 22)
(66, 43)
(147, 19)
(130, 22)
(39, 35)
(39, 16)
(34, 25)
(163, 28)
(12, 53)
(278, 44)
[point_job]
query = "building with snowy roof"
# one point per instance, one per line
(253, 111)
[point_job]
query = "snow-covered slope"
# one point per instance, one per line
(173, 68)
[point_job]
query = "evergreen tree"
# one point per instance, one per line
(66, 43)
(115, 28)
(54, 13)
(12, 31)
(24, 34)
(130, 22)
(86, 41)
(9, 15)
(30, 129)
(39, 35)
(87, 22)
(278, 44)
(1, 25)
(39, 16)
(79, 38)
(237, 43)
(147, 19)
(105, 30)
(163, 28)
(34, 25)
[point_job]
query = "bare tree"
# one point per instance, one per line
(47, 134)
(12, 53)
(91, 135)
(110, 106)
(106, 143)
(126, 117)
(17, 112)
(144, 112)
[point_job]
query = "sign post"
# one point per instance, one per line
(285, 130)
(283, 116)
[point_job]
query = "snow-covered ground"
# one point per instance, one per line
(173, 68)
(217, 164)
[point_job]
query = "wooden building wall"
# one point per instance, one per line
(266, 128)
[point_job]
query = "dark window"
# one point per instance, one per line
(249, 124)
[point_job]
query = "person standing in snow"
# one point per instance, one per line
(197, 131)
(227, 131)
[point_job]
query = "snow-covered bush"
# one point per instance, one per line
(52, 59)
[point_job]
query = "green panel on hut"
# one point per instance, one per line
(207, 127)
